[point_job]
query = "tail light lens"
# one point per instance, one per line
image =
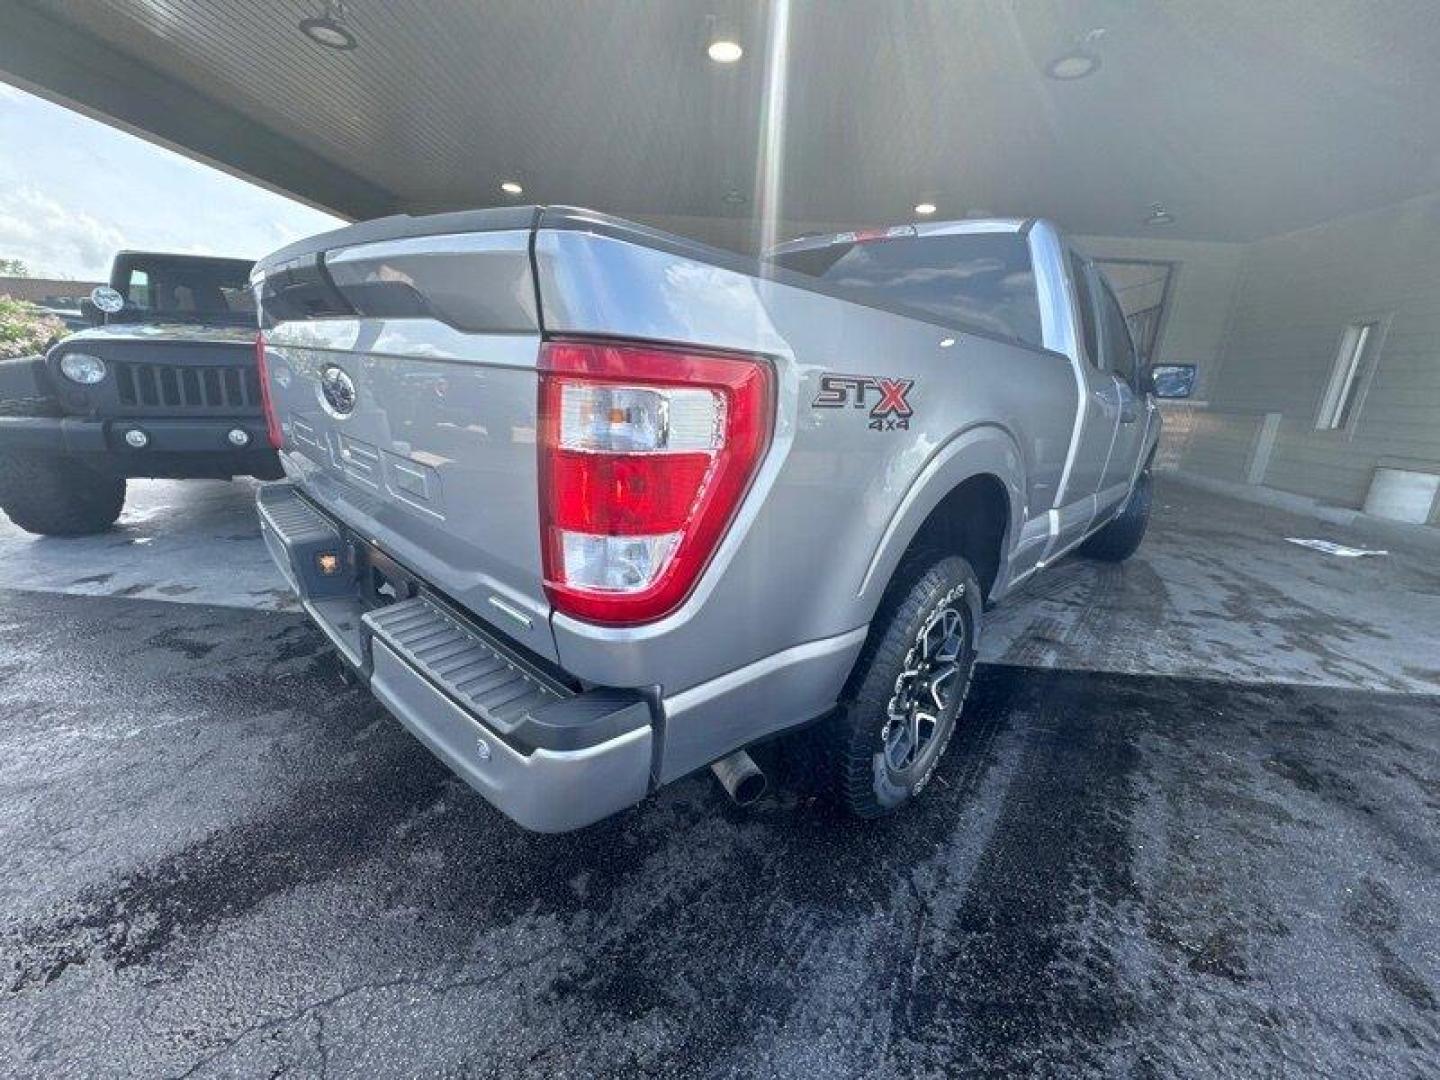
(273, 433)
(645, 454)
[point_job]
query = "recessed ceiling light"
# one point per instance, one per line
(725, 51)
(925, 208)
(1067, 67)
(510, 187)
(326, 28)
(1159, 215)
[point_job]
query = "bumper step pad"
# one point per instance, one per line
(293, 518)
(295, 532)
(460, 662)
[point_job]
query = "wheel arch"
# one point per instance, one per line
(969, 499)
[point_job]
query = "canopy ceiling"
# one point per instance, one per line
(1243, 118)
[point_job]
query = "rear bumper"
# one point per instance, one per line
(549, 756)
(169, 444)
(545, 790)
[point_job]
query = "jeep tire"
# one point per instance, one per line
(58, 496)
(880, 747)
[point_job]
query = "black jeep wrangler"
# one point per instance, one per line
(164, 384)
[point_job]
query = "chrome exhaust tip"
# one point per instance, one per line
(740, 777)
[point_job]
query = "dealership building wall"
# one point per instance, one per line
(1264, 322)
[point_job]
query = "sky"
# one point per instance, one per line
(73, 191)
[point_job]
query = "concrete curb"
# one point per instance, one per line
(1397, 533)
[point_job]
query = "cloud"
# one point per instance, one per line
(53, 240)
(73, 191)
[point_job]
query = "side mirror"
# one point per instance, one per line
(107, 299)
(1168, 381)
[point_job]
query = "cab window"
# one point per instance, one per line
(1085, 301)
(1118, 349)
(980, 280)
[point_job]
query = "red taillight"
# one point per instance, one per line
(273, 433)
(645, 454)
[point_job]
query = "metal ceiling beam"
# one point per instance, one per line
(84, 73)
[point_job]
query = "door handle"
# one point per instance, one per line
(1128, 415)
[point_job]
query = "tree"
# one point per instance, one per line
(25, 329)
(13, 268)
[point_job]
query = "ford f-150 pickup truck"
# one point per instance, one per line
(165, 386)
(591, 507)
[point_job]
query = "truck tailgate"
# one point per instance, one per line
(401, 360)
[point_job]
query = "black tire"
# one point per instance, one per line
(1120, 539)
(57, 496)
(271, 470)
(856, 749)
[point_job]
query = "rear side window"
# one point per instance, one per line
(1119, 349)
(1086, 302)
(981, 280)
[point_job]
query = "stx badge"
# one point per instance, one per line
(889, 411)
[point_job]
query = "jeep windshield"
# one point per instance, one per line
(183, 288)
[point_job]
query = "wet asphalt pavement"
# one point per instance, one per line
(220, 859)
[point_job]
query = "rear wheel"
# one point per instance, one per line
(1120, 539)
(57, 496)
(881, 746)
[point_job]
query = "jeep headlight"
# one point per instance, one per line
(82, 368)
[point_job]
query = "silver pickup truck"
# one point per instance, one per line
(591, 507)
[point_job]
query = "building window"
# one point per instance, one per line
(1343, 394)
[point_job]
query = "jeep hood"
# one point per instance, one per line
(170, 331)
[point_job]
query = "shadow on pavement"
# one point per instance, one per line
(1110, 872)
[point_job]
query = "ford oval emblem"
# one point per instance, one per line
(338, 390)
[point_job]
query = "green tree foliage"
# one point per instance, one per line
(25, 329)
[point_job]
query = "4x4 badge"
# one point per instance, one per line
(890, 410)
